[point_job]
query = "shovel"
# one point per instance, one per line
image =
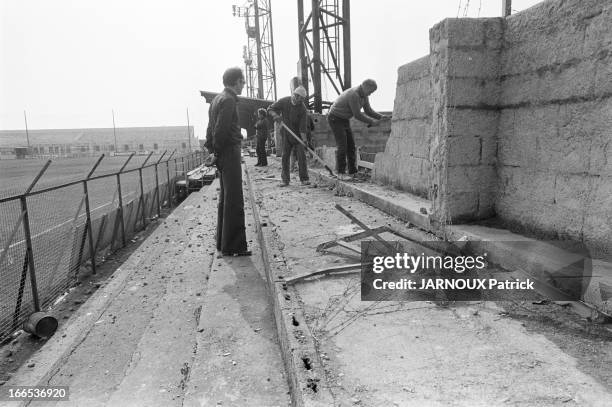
(319, 159)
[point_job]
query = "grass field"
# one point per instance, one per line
(57, 217)
(55, 207)
(16, 175)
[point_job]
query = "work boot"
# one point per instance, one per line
(305, 182)
(283, 184)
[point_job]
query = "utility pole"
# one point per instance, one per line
(25, 118)
(188, 131)
(506, 8)
(114, 133)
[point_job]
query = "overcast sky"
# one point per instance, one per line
(68, 63)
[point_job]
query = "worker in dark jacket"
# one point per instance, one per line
(261, 133)
(224, 138)
(347, 105)
(292, 111)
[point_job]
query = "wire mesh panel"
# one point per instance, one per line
(60, 238)
(130, 190)
(55, 217)
(149, 200)
(12, 257)
(103, 195)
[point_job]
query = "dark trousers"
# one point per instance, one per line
(231, 232)
(345, 144)
(288, 147)
(262, 158)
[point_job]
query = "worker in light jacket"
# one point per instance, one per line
(347, 105)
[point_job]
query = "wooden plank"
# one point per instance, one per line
(365, 164)
(349, 246)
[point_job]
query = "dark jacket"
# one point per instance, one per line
(223, 126)
(294, 116)
(261, 128)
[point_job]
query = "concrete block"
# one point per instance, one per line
(472, 122)
(603, 77)
(415, 70)
(488, 151)
(494, 32)
(597, 21)
(518, 186)
(568, 82)
(573, 192)
(518, 89)
(471, 92)
(471, 178)
(413, 100)
(539, 53)
(473, 63)
(557, 220)
(463, 206)
(598, 216)
(563, 153)
(438, 37)
(530, 127)
(585, 128)
(486, 203)
(557, 84)
(464, 150)
(465, 32)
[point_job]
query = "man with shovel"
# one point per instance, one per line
(291, 111)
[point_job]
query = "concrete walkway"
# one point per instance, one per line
(415, 353)
(177, 327)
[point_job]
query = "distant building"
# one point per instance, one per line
(56, 143)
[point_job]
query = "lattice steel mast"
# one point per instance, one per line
(325, 47)
(258, 54)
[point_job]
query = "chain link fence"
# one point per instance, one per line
(48, 235)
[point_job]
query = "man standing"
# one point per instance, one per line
(292, 111)
(347, 105)
(223, 138)
(261, 134)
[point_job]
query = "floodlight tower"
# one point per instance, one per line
(325, 47)
(258, 54)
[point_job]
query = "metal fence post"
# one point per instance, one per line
(29, 259)
(120, 194)
(142, 203)
(157, 184)
(168, 178)
(88, 226)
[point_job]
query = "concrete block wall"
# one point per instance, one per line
(370, 139)
(511, 117)
(405, 162)
(555, 131)
(464, 58)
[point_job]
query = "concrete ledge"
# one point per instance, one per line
(403, 206)
(302, 364)
(53, 354)
(536, 257)
(539, 259)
